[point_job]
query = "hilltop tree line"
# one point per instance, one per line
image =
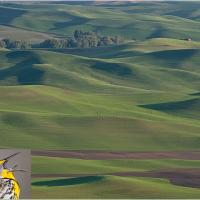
(14, 44)
(80, 39)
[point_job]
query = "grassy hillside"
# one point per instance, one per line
(144, 71)
(108, 187)
(80, 166)
(21, 34)
(80, 178)
(127, 100)
(133, 21)
(139, 96)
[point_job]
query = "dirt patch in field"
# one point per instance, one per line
(103, 155)
(179, 177)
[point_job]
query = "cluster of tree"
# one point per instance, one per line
(57, 43)
(80, 39)
(92, 39)
(14, 44)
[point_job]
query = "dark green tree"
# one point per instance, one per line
(2, 44)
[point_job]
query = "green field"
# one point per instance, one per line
(80, 166)
(131, 101)
(138, 21)
(139, 96)
(94, 178)
(116, 187)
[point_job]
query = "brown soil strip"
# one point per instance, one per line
(180, 177)
(103, 155)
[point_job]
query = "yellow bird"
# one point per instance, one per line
(9, 187)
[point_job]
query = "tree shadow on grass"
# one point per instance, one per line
(69, 181)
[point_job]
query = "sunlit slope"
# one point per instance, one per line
(130, 22)
(70, 166)
(72, 178)
(9, 30)
(138, 96)
(81, 172)
(14, 33)
(144, 72)
(68, 71)
(73, 120)
(134, 48)
(184, 9)
(108, 187)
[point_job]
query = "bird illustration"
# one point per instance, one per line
(9, 186)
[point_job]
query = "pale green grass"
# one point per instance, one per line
(102, 98)
(55, 165)
(21, 34)
(128, 21)
(138, 96)
(104, 75)
(160, 44)
(68, 119)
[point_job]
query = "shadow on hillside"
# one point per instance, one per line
(69, 181)
(159, 32)
(176, 55)
(113, 68)
(195, 94)
(173, 106)
(7, 15)
(24, 70)
(115, 51)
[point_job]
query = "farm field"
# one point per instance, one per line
(100, 174)
(121, 121)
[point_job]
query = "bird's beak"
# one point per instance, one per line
(5, 160)
(11, 156)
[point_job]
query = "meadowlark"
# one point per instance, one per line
(9, 187)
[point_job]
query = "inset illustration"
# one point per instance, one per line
(15, 174)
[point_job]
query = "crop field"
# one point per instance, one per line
(119, 121)
(100, 174)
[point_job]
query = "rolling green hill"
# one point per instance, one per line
(104, 95)
(133, 21)
(139, 96)
(21, 34)
(144, 71)
(80, 166)
(106, 187)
